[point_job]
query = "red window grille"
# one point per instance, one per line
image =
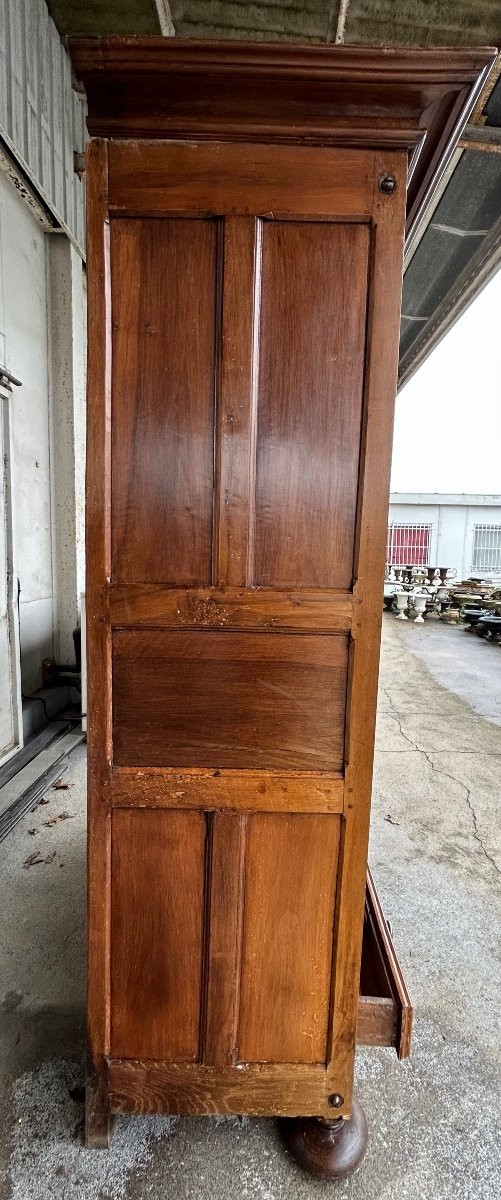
(408, 545)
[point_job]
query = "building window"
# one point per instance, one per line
(486, 548)
(408, 545)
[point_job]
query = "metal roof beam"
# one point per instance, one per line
(165, 18)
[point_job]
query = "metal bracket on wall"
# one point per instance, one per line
(8, 380)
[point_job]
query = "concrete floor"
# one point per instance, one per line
(434, 1120)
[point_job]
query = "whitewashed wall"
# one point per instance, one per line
(41, 116)
(67, 361)
(452, 520)
(24, 336)
(42, 327)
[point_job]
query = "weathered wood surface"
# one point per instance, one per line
(243, 341)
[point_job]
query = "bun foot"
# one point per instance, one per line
(327, 1149)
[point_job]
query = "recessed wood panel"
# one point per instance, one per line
(229, 700)
(309, 403)
(164, 331)
(156, 933)
(240, 179)
(291, 869)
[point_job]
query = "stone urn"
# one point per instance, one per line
(401, 600)
(419, 601)
(490, 625)
(471, 615)
(450, 615)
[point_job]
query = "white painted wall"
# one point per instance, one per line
(67, 364)
(11, 725)
(42, 342)
(25, 345)
(452, 524)
(42, 331)
(448, 417)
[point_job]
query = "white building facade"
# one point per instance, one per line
(456, 530)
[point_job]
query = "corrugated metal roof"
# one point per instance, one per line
(460, 247)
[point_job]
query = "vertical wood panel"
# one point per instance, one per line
(98, 632)
(291, 868)
(156, 934)
(379, 401)
(311, 352)
(235, 447)
(225, 937)
(164, 319)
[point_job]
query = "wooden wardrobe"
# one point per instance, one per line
(246, 215)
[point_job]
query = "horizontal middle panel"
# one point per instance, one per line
(154, 606)
(217, 699)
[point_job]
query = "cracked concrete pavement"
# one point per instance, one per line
(436, 858)
(440, 770)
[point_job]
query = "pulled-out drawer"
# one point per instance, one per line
(385, 1009)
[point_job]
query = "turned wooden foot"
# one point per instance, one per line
(98, 1119)
(327, 1149)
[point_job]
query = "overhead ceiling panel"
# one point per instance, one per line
(423, 22)
(460, 248)
(285, 20)
(493, 107)
(104, 16)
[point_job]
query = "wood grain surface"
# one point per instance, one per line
(222, 700)
(211, 790)
(355, 96)
(191, 1089)
(309, 404)
(369, 553)
(158, 867)
(226, 892)
(154, 606)
(98, 559)
(287, 937)
(243, 344)
(163, 281)
(237, 180)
